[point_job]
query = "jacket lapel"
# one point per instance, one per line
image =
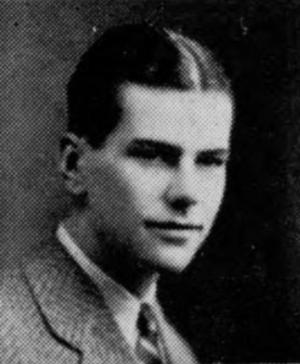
(72, 308)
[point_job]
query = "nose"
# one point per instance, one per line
(181, 193)
(182, 204)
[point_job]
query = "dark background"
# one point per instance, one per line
(239, 301)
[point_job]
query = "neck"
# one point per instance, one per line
(117, 263)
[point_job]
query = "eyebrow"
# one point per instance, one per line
(217, 152)
(165, 147)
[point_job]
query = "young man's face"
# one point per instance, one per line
(156, 185)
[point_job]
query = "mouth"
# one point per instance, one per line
(171, 226)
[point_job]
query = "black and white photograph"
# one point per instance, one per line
(149, 181)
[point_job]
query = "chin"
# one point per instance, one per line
(167, 257)
(172, 264)
(171, 269)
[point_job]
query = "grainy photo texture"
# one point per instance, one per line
(149, 181)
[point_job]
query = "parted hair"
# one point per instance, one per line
(140, 54)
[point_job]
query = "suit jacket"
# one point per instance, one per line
(52, 313)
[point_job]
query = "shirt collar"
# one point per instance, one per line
(124, 306)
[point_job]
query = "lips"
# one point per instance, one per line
(171, 225)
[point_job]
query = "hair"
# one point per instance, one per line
(139, 54)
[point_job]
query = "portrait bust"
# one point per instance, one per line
(145, 157)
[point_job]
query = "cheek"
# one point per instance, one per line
(213, 189)
(145, 185)
(123, 191)
(109, 194)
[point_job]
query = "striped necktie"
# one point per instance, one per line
(149, 346)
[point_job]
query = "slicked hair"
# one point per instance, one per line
(138, 54)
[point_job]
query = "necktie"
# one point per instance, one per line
(149, 345)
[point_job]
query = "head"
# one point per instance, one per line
(150, 116)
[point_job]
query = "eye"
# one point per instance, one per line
(212, 160)
(152, 155)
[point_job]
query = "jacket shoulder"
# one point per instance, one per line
(24, 334)
(15, 310)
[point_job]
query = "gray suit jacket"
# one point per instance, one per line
(52, 313)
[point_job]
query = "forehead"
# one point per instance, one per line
(188, 118)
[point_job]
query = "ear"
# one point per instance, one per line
(72, 150)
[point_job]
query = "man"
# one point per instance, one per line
(150, 116)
